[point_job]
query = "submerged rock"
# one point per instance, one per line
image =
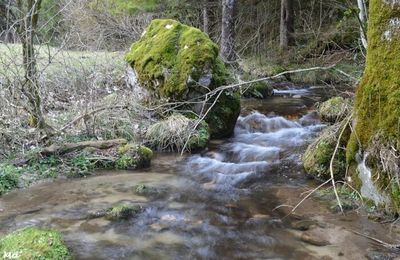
(334, 109)
(122, 211)
(177, 62)
(34, 243)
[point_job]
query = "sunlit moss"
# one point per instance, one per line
(33, 243)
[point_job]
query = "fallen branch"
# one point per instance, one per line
(55, 149)
(76, 120)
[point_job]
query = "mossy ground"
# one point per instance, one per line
(35, 167)
(33, 243)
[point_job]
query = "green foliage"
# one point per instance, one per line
(33, 243)
(349, 198)
(9, 178)
(125, 7)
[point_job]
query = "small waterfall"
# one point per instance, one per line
(368, 188)
(261, 143)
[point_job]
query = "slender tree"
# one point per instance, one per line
(228, 31)
(28, 16)
(287, 24)
(363, 17)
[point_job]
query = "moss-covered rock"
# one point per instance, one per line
(318, 155)
(122, 211)
(222, 118)
(178, 132)
(133, 156)
(334, 109)
(259, 89)
(34, 243)
(180, 63)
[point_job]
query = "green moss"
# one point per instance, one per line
(352, 149)
(33, 243)
(172, 57)
(318, 155)
(120, 212)
(259, 89)
(334, 109)
(132, 156)
(378, 96)
(377, 106)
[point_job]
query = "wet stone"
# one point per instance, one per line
(313, 239)
(376, 255)
(303, 225)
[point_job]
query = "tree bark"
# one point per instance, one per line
(228, 31)
(287, 24)
(71, 147)
(206, 17)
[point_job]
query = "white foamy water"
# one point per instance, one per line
(368, 188)
(260, 143)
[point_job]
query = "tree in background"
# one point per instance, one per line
(287, 24)
(27, 13)
(228, 31)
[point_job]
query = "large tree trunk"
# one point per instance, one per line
(29, 16)
(377, 109)
(228, 31)
(287, 24)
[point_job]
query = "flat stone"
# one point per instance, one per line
(313, 239)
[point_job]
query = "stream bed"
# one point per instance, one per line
(230, 202)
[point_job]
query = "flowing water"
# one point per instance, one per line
(231, 202)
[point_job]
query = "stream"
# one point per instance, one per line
(230, 202)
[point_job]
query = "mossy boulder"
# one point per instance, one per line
(34, 243)
(178, 132)
(122, 211)
(334, 109)
(317, 157)
(259, 89)
(177, 62)
(133, 156)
